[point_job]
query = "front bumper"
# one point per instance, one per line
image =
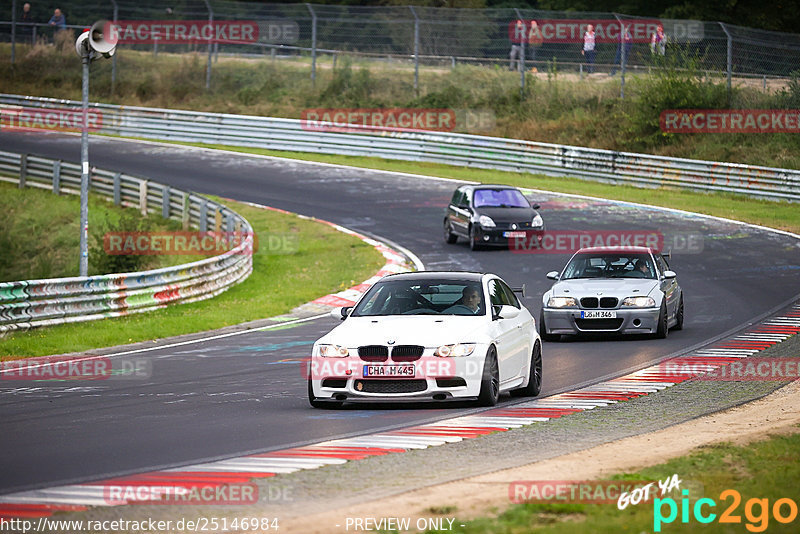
(628, 321)
(436, 379)
(499, 237)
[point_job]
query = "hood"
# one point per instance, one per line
(508, 215)
(609, 287)
(426, 330)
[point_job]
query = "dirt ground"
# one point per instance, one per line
(487, 495)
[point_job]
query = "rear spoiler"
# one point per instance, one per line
(520, 290)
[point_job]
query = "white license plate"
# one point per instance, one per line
(513, 234)
(389, 371)
(598, 314)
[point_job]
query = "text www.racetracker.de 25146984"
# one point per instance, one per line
(142, 526)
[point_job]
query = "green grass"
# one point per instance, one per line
(326, 261)
(780, 215)
(763, 470)
(39, 234)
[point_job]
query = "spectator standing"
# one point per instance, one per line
(588, 50)
(26, 20)
(658, 42)
(628, 41)
(58, 20)
(515, 56)
(535, 40)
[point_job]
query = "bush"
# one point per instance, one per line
(677, 83)
(101, 263)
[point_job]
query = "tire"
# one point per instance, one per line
(534, 386)
(449, 236)
(316, 403)
(490, 382)
(543, 331)
(679, 316)
(662, 330)
(474, 244)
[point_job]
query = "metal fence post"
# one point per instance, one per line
(57, 177)
(203, 216)
(210, 45)
(621, 56)
(114, 57)
(117, 188)
(143, 197)
(521, 56)
(185, 208)
(730, 60)
(313, 45)
(416, 49)
(23, 170)
(13, 29)
(165, 192)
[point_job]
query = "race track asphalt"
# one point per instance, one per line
(247, 394)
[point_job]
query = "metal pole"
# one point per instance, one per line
(13, 29)
(210, 46)
(84, 243)
(621, 57)
(521, 57)
(114, 58)
(313, 45)
(416, 49)
(730, 59)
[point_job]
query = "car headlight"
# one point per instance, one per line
(537, 221)
(486, 221)
(639, 302)
(455, 351)
(333, 351)
(561, 302)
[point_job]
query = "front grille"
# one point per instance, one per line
(589, 302)
(608, 302)
(451, 382)
(598, 324)
(507, 226)
(390, 386)
(407, 353)
(373, 353)
(334, 382)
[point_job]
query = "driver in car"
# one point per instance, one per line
(643, 269)
(470, 298)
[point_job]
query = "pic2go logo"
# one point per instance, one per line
(756, 511)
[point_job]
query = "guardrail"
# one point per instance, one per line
(32, 303)
(641, 170)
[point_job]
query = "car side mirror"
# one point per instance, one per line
(536, 206)
(504, 312)
(552, 275)
(669, 275)
(341, 313)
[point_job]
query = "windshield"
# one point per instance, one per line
(415, 297)
(605, 265)
(499, 198)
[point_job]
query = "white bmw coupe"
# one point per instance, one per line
(428, 336)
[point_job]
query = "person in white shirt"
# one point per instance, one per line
(589, 48)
